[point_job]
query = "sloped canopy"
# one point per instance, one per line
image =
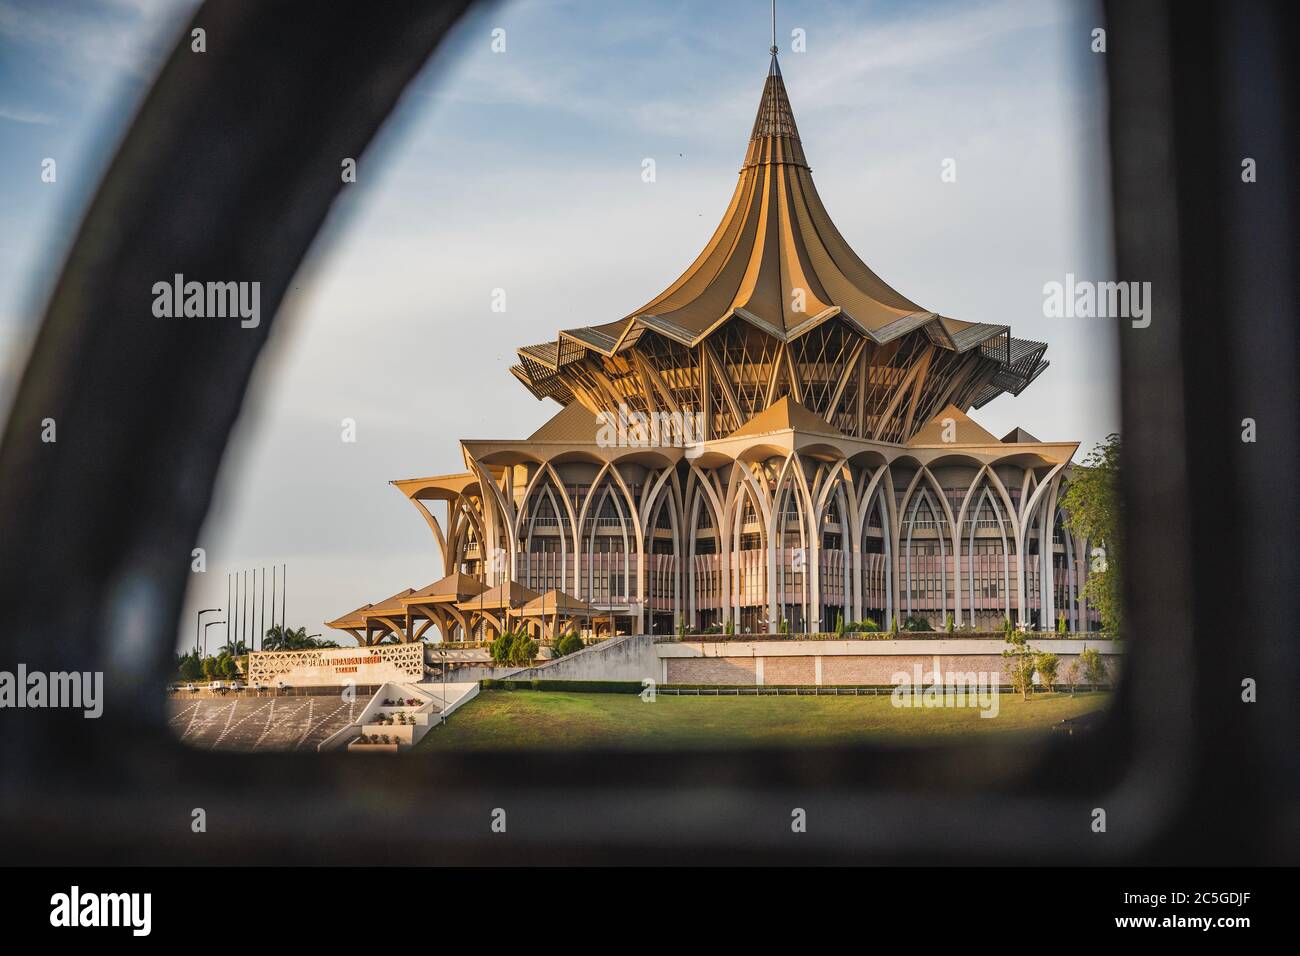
(557, 602)
(449, 590)
(350, 621)
(508, 594)
(1018, 436)
(785, 414)
(574, 423)
(388, 607)
(965, 430)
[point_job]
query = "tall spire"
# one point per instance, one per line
(775, 118)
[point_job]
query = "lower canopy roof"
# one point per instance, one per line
(575, 426)
(448, 590)
(558, 602)
(508, 595)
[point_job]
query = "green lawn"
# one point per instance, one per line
(503, 719)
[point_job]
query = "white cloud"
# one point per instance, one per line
(26, 117)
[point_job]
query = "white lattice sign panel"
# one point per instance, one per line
(338, 665)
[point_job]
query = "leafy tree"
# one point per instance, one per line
(567, 643)
(1072, 675)
(1092, 510)
(1046, 665)
(1094, 666)
(500, 648)
(281, 638)
(210, 671)
(523, 650)
(513, 649)
(191, 667)
(1020, 663)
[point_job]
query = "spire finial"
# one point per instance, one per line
(774, 27)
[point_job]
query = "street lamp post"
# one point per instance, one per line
(205, 634)
(197, 618)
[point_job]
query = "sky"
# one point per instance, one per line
(521, 170)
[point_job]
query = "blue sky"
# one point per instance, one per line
(521, 170)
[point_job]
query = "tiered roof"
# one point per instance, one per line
(778, 262)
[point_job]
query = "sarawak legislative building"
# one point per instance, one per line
(831, 473)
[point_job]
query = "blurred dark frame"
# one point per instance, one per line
(230, 169)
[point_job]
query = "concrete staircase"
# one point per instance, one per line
(399, 715)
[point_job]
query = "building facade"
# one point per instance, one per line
(777, 442)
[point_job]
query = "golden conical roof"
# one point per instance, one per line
(778, 265)
(776, 258)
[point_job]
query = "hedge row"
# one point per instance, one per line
(635, 687)
(574, 686)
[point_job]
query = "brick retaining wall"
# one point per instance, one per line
(842, 669)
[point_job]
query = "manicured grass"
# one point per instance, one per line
(523, 719)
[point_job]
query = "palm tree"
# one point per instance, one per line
(280, 638)
(233, 648)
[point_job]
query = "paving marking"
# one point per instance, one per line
(229, 726)
(322, 722)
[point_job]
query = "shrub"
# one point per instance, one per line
(501, 648)
(191, 667)
(1020, 663)
(524, 650)
(576, 686)
(916, 623)
(1046, 664)
(567, 643)
(1072, 675)
(1094, 666)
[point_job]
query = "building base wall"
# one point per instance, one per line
(826, 663)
